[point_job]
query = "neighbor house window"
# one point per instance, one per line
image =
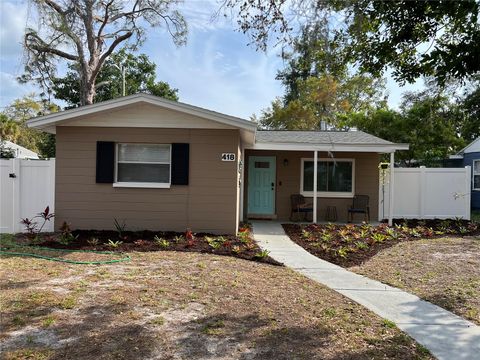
(476, 174)
(335, 178)
(143, 165)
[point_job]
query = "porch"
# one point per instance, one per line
(271, 173)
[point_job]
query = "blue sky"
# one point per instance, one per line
(215, 70)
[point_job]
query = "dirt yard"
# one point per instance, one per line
(444, 271)
(172, 305)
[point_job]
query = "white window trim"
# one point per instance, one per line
(328, 194)
(474, 174)
(150, 185)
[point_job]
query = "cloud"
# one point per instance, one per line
(216, 70)
(13, 17)
(11, 89)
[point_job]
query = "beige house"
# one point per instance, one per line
(163, 165)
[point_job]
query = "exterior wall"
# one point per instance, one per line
(288, 182)
(468, 161)
(207, 204)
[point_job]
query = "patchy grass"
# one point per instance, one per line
(444, 271)
(187, 306)
(475, 215)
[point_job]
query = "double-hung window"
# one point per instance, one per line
(476, 174)
(335, 178)
(143, 165)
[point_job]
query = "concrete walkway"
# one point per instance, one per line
(446, 335)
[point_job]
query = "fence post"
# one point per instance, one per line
(423, 189)
(16, 169)
(468, 192)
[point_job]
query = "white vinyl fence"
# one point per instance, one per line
(426, 193)
(27, 187)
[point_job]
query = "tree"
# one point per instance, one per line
(320, 86)
(13, 125)
(470, 111)
(416, 38)
(86, 32)
(140, 74)
(429, 123)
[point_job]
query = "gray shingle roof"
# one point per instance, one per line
(318, 137)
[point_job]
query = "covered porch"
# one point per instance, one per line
(272, 172)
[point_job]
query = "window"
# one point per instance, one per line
(335, 178)
(476, 174)
(143, 165)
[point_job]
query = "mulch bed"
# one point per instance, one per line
(242, 246)
(352, 245)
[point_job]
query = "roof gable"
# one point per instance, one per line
(474, 146)
(88, 115)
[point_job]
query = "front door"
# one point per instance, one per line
(261, 185)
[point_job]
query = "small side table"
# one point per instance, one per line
(331, 214)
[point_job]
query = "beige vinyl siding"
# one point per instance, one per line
(207, 204)
(366, 181)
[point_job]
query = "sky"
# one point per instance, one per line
(216, 69)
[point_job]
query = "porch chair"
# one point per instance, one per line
(360, 206)
(299, 205)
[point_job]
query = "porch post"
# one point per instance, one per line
(390, 189)
(315, 165)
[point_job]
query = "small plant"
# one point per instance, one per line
(215, 242)
(378, 237)
(190, 237)
(31, 225)
(306, 234)
(236, 249)
(66, 235)
(361, 245)
(114, 244)
(120, 227)
(162, 242)
(179, 238)
(463, 230)
(262, 254)
(342, 252)
(93, 241)
(389, 324)
(326, 237)
(244, 236)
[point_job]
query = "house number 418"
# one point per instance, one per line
(228, 157)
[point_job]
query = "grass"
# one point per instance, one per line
(475, 215)
(184, 305)
(444, 271)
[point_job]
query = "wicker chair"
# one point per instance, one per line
(299, 205)
(360, 206)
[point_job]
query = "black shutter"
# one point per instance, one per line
(180, 163)
(105, 161)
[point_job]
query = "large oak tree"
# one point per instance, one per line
(86, 32)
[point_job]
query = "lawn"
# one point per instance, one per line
(444, 271)
(183, 305)
(437, 260)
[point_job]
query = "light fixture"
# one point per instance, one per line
(285, 162)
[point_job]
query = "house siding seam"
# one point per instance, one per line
(207, 204)
(366, 182)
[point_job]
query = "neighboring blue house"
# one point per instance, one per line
(471, 157)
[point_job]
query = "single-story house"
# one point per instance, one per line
(18, 151)
(470, 156)
(164, 165)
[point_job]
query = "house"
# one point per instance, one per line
(163, 165)
(18, 151)
(470, 156)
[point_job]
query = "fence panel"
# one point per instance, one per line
(427, 193)
(28, 192)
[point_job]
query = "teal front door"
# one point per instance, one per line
(261, 185)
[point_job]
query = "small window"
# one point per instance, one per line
(335, 178)
(476, 174)
(262, 165)
(143, 165)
